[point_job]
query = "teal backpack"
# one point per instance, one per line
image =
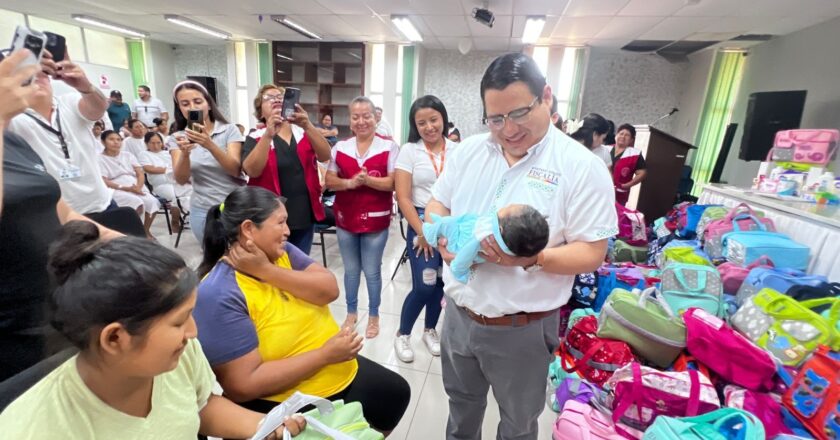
(722, 424)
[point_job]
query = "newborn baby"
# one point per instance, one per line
(520, 231)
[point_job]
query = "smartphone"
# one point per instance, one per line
(195, 117)
(57, 45)
(290, 99)
(35, 41)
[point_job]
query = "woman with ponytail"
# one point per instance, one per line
(264, 321)
(126, 304)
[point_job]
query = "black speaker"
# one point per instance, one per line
(767, 113)
(728, 136)
(209, 83)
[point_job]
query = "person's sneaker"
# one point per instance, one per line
(402, 345)
(432, 341)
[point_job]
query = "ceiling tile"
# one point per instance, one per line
(651, 8)
(451, 43)
(421, 7)
(539, 7)
(447, 25)
(712, 36)
(495, 43)
(373, 26)
(348, 7)
(431, 43)
(608, 43)
(736, 24)
(498, 7)
(519, 26)
(579, 27)
(594, 8)
(676, 28)
(711, 8)
(501, 28)
(788, 25)
(627, 27)
(303, 8)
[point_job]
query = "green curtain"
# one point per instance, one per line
(407, 88)
(264, 57)
(577, 83)
(137, 63)
(717, 109)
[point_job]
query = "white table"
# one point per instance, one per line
(808, 223)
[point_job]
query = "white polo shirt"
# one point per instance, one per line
(148, 111)
(86, 192)
(416, 160)
(560, 178)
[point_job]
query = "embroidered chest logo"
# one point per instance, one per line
(543, 180)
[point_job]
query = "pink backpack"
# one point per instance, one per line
(733, 275)
(579, 421)
(631, 226)
(641, 394)
(814, 146)
(766, 407)
(747, 221)
(726, 352)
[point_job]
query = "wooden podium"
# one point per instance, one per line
(665, 157)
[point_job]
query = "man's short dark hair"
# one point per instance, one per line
(116, 94)
(146, 88)
(525, 231)
(510, 68)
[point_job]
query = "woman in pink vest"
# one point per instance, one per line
(282, 157)
(628, 164)
(361, 174)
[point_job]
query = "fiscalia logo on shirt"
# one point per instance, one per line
(543, 179)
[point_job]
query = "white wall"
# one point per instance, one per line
(456, 80)
(684, 125)
(805, 60)
(632, 88)
(206, 61)
(160, 65)
(119, 79)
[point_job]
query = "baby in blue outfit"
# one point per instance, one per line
(520, 231)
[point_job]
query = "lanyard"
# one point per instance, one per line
(61, 140)
(432, 159)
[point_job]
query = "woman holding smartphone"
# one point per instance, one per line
(206, 150)
(283, 157)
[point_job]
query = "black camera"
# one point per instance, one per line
(484, 16)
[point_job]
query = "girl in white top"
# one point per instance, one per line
(122, 172)
(419, 164)
(157, 163)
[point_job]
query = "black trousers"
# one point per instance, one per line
(120, 219)
(384, 396)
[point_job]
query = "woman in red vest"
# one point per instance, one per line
(361, 174)
(628, 164)
(283, 157)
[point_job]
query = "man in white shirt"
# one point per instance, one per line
(147, 108)
(59, 129)
(501, 328)
(383, 128)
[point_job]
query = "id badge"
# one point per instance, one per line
(70, 172)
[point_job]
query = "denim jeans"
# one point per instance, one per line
(362, 252)
(426, 286)
(302, 238)
(198, 218)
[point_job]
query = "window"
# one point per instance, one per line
(541, 58)
(106, 49)
(243, 107)
(73, 34)
(568, 88)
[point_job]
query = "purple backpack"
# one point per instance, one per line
(574, 389)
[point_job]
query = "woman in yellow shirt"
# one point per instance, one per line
(140, 374)
(264, 321)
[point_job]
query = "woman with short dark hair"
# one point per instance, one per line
(600, 129)
(628, 164)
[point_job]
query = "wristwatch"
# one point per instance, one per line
(537, 266)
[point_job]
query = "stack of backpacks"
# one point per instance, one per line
(715, 332)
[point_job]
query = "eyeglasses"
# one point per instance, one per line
(518, 116)
(270, 98)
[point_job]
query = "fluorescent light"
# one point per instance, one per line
(355, 55)
(187, 23)
(407, 28)
(533, 29)
(284, 57)
(109, 25)
(282, 19)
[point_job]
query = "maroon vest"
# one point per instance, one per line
(363, 209)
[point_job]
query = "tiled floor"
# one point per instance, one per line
(427, 412)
